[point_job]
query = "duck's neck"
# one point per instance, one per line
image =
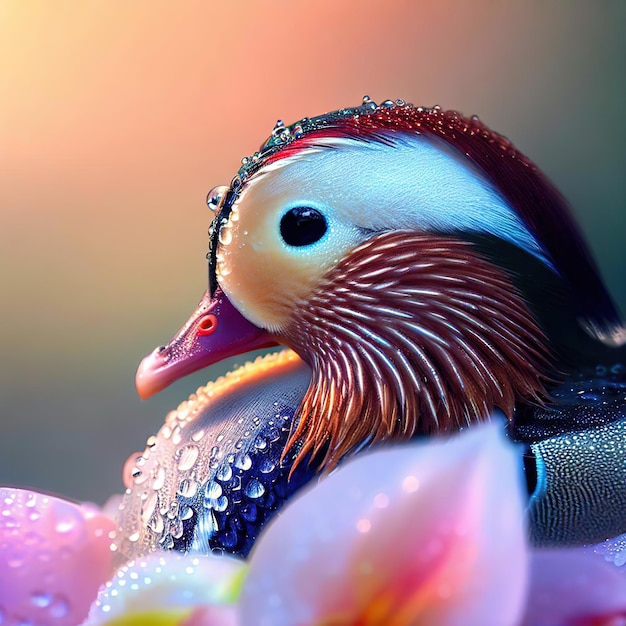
(412, 333)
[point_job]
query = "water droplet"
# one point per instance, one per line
(214, 197)
(177, 435)
(156, 525)
(260, 443)
(159, 477)
(130, 471)
(243, 461)
(225, 473)
(254, 489)
(590, 396)
(176, 529)
(272, 433)
(225, 236)
(60, 607)
(134, 537)
(388, 104)
(188, 457)
(188, 488)
(186, 513)
(221, 504)
(213, 490)
(266, 466)
(148, 506)
(41, 599)
(197, 435)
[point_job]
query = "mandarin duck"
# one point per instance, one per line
(427, 276)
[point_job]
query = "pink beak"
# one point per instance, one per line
(215, 331)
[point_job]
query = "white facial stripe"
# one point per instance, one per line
(418, 183)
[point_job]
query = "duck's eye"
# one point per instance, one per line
(302, 226)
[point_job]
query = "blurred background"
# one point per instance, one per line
(117, 117)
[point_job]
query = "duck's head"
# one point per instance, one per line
(422, 266)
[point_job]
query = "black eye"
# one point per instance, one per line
(302, 226)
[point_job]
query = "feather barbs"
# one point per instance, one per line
(412, 333)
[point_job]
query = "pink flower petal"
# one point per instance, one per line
(171, 584)
(213, 616)
(425, 533)
(574, 588)
(53, 557)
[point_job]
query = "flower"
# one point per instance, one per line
(423, 533)
(54, 555)
(428, 533)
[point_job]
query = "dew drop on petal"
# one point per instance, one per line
(41, 599)
(60, 607)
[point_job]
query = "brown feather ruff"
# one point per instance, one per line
(411, 333)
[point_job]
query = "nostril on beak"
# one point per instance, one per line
(161, 349)
(207, 325)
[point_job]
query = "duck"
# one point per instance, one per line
(214, 474)
(429, 277)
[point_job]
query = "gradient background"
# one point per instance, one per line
(117, 117)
